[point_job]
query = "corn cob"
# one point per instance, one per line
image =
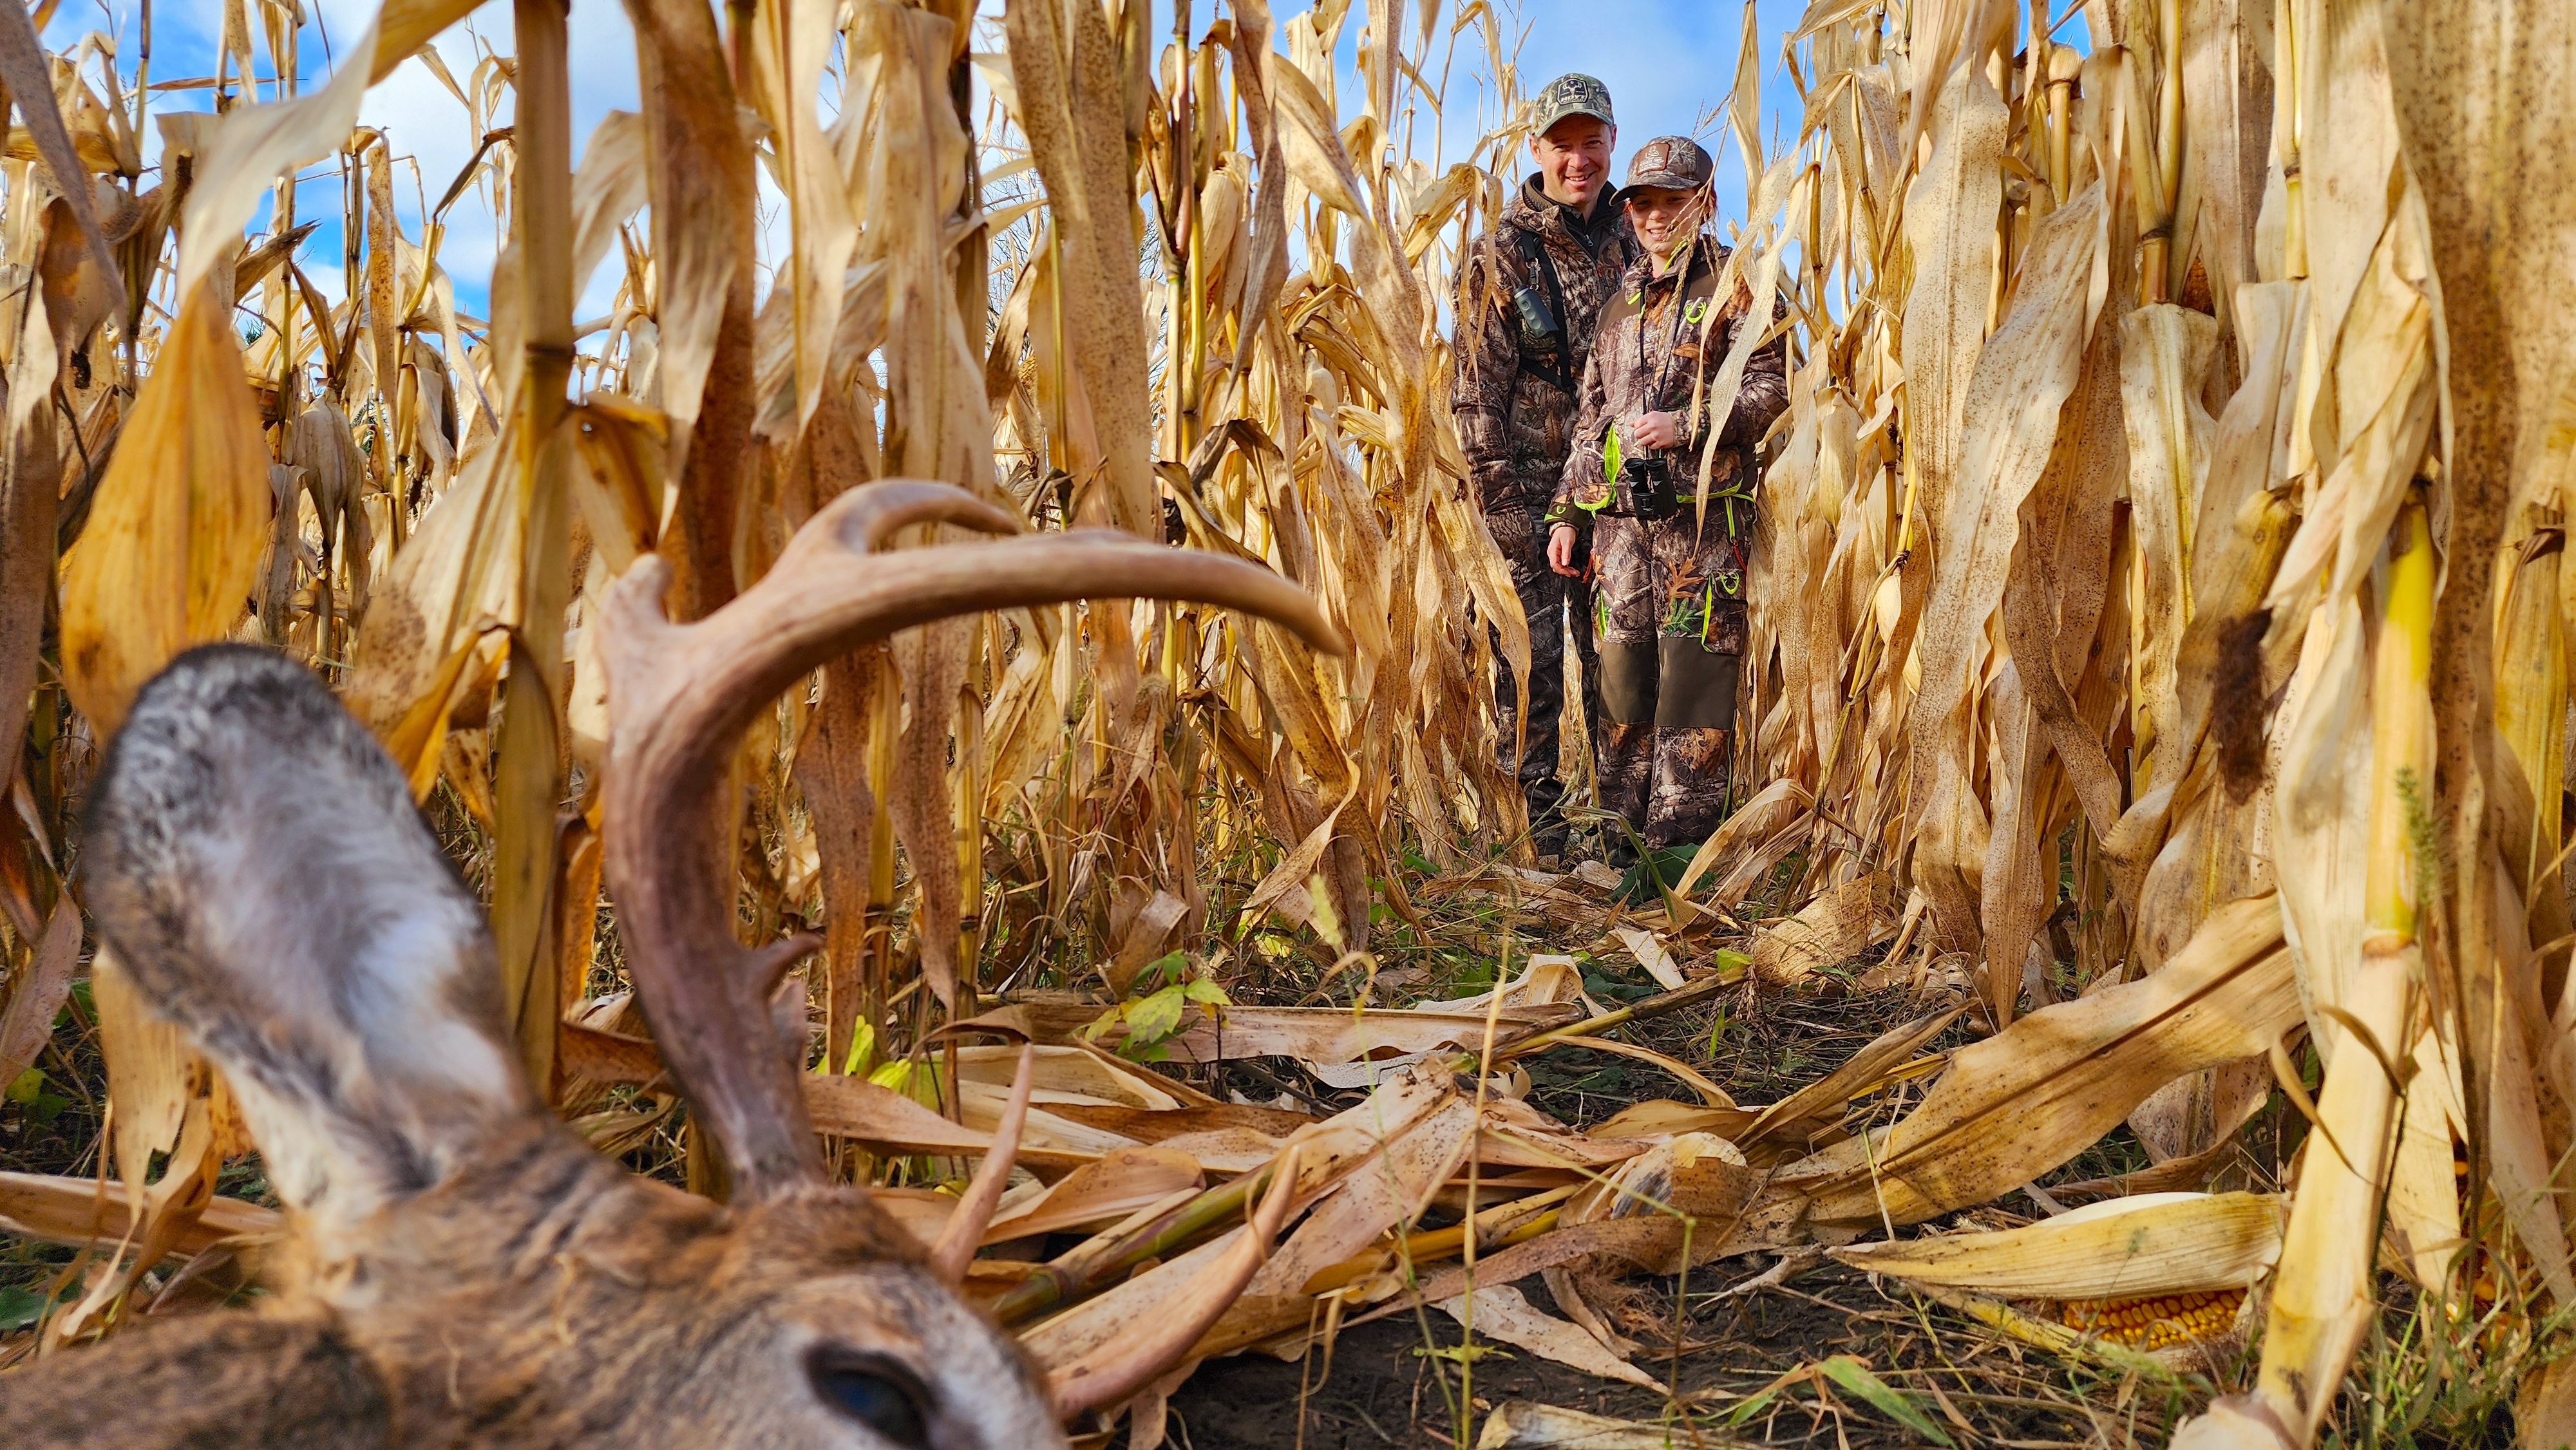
(2158, 1321)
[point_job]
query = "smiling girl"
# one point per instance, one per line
(1670, 489)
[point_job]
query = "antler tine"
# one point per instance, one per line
(681, 694)
(964, 1231)
(862, 517)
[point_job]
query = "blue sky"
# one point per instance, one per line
(1669, 64)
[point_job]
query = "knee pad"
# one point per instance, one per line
(1628, 684)
(1695, 688)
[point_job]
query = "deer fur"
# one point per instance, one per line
(463, 1270)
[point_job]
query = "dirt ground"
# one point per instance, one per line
(1382, 1389)
(1753, 1345)
(1398, 1381)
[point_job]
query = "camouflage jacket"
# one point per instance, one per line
(1513, 389)
(1643, 362)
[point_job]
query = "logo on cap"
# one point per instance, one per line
(1673, 163)
(1571, 94)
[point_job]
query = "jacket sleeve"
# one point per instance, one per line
(1487, 363)
(1584, 458)
(1764, 394)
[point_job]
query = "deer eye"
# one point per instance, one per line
(873, 1391)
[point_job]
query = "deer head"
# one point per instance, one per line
(463, 1270)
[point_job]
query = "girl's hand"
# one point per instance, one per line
(1654, 431)
(1560, 551)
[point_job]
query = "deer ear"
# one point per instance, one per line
(256, 863)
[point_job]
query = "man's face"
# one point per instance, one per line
(1663, 216)
(1574, 159)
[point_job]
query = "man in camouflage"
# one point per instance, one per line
(1528, 292)
(1668, 552)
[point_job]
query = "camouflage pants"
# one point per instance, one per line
(1672, 624)
(1555, 606)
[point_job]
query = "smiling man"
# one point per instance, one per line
(1529, 291)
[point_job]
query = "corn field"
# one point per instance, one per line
(2159, 628)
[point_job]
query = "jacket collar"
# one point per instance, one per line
(1533, 210)
(1711, 256)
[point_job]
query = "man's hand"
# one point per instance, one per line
(1653, 431)
(1560, 551)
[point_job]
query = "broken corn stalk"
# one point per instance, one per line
(2325, 1294)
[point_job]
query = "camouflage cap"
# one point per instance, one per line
(1571, 94)
(1674, 163)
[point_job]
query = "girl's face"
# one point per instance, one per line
(1664, 217)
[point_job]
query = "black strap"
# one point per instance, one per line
(1681, 311)
(1555, 297)
(1654, 399)
(1535, 251)
(1672, 344)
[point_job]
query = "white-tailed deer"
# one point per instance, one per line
(463, 1270)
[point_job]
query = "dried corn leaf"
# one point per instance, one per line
(1327, 1157)
(2008, 407)
(2122, 1248)
(174, 534)
(1525, 1425)
(1652, 955)
(1327, 1035)
(1501, 1313)
(1097, 1195)
(38, 992)
(2030, 1097)
(1837, 926)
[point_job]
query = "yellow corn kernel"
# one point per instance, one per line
(2155, 1321)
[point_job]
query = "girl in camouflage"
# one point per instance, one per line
(1668, 551)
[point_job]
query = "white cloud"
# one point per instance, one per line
(428, 125)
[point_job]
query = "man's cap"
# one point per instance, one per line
(1571, 94)
(1675, 163)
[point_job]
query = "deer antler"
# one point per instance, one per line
(964, 1232)
(680, 696)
